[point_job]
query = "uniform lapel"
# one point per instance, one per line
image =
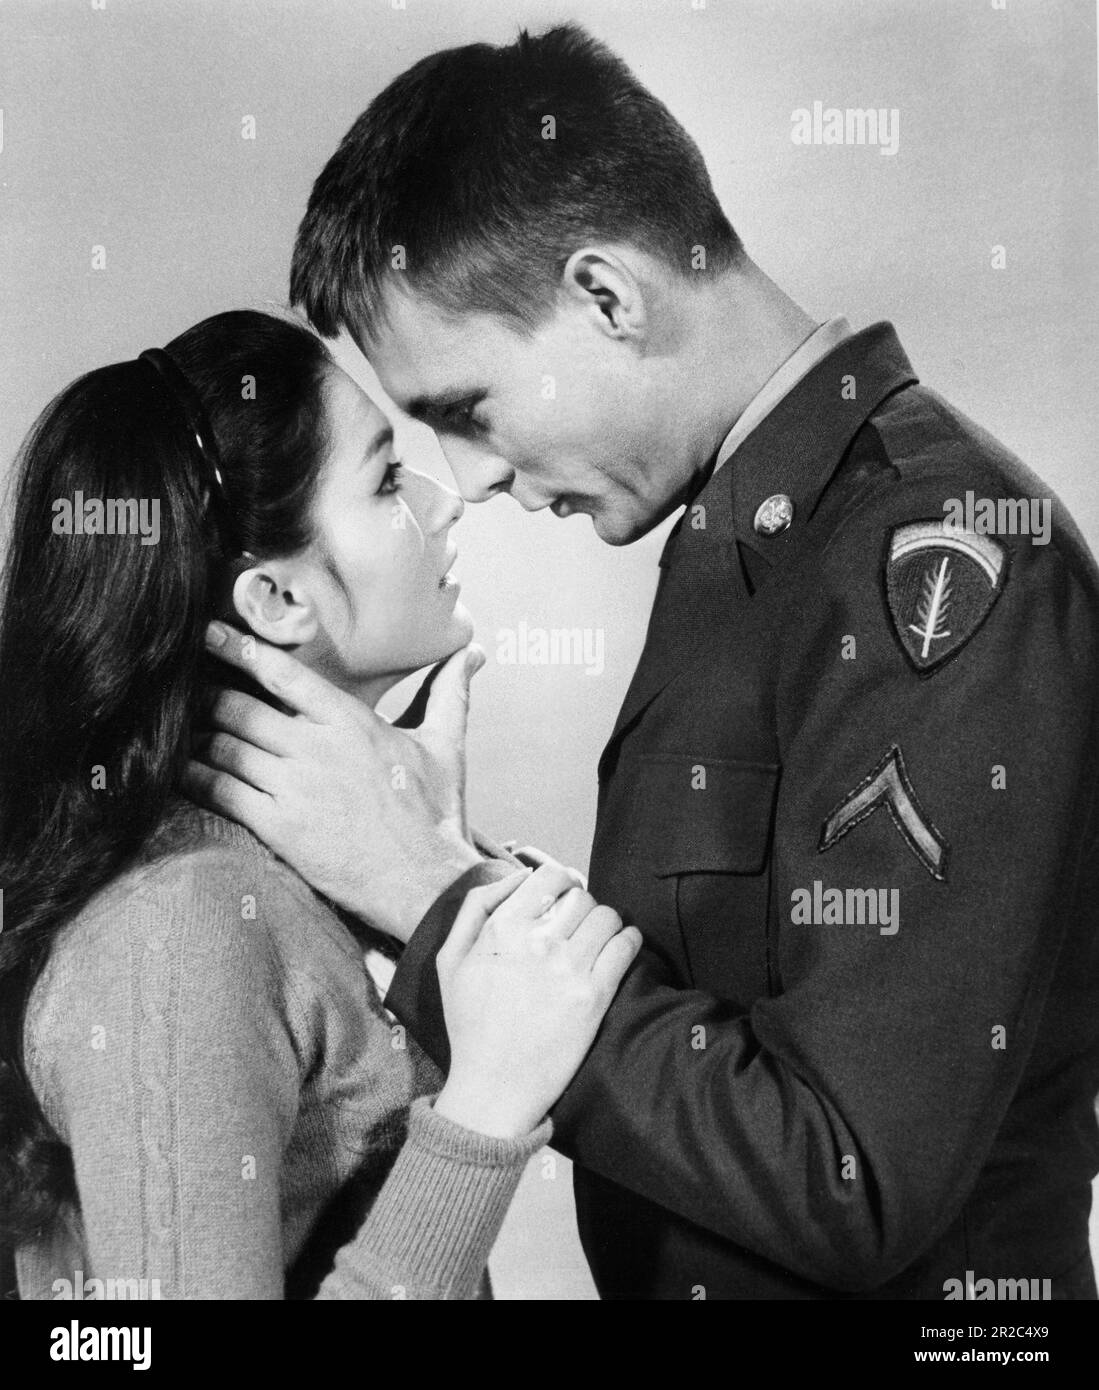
(794, 450)
(700, 578)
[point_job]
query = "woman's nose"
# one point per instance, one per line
(453, 506)
(439, 507)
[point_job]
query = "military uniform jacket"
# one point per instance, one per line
(850, 801)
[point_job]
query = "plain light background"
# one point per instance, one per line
(122, 129)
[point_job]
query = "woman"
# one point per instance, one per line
(199, 1086)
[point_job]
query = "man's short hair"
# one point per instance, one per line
(480, 170)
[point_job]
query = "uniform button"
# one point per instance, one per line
(774, 515)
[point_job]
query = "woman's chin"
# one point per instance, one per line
(462, 626)
(458, 634)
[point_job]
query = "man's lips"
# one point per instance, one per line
(566, 504)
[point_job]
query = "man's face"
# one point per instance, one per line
(568, 417)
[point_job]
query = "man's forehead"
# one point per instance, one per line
(405, 317)
(421, 384)
(421, 352)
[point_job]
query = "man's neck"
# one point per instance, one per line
(741, 333)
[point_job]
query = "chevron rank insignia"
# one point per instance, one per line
(941, 581)
(888, 785)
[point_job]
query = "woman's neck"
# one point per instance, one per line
(368, 690)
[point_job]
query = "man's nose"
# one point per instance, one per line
(480, 475)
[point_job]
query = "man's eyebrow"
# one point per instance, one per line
(380, 440)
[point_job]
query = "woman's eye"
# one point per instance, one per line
(391, 482)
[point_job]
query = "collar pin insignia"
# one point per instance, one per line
(774, 515)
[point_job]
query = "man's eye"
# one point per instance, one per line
(391, 482)
(460, 417)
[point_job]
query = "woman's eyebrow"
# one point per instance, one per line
(380, 440)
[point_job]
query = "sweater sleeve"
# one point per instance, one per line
(430, 1230)
(171, 1052)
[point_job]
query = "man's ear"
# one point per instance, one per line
(272, 602)
(605, 283)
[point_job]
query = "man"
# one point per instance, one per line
(850, 798)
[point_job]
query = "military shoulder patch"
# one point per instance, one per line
(941, 581)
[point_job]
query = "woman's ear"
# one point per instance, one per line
(272, 602)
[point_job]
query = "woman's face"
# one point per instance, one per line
(377, 575)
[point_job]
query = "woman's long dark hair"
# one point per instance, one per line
(101, 647)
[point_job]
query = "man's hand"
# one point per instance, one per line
(371, 815)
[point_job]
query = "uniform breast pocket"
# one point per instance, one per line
(706, 826)
(705, 815)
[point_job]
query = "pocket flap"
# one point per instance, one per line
(704, 815)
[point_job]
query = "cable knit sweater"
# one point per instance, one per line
(245, 1119)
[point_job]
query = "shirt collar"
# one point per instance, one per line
(801, 361)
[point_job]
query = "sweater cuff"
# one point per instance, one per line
(436, 1219)
(448, 1139)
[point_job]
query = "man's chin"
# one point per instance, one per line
(620, 530)
(612, 527)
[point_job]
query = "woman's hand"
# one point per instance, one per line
(527, 973)
(534, 857)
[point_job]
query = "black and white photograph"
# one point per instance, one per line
(549, 664)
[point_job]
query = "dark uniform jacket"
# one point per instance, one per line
(850, 801)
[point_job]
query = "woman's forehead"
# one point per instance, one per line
(355, 421)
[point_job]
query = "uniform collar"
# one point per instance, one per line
(798, 445)
(801, 361)
(795, 450)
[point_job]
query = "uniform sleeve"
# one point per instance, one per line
(837, 1126)
(414, 993)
